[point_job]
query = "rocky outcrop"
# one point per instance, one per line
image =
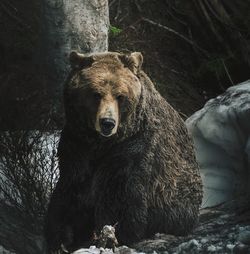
(222, 229)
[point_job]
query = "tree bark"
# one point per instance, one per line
(67, 25)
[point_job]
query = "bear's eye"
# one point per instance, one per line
(120, 98)
(97, 96)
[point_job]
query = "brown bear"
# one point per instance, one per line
(125, 157)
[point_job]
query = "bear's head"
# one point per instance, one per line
(103, 90)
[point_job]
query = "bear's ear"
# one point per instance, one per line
(133, 61)
(80, 61)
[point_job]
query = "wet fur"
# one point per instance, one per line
(145, 178)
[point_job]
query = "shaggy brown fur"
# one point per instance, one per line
(144, 176)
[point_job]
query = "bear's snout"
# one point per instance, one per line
(107, 125)
(107, 117)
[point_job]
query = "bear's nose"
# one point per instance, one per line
(107, 125)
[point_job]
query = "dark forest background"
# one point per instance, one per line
(193, 50)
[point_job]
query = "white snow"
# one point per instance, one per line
(94, 250)
(221, 132)
(4, 251)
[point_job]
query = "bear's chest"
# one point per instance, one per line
(110, 169)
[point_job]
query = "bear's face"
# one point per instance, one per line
(106, 89)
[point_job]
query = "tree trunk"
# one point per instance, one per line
(67, 25)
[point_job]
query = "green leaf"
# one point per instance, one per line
(114, 31)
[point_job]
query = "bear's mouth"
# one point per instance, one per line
(106, 134)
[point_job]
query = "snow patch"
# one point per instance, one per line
(221, 133)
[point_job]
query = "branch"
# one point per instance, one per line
(227, 72)
(11, 15)
(177, 34)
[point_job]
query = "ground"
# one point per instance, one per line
(222, 229)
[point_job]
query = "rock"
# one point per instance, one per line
(119, 250)
(92, 251)
(204, 240)
(125, 250)
(211, 248)
(230, 246)
(221, 132)
(244, 237)
(241, 248)
(191, 246)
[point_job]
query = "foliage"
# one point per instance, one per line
(114, 31)
(194, 49)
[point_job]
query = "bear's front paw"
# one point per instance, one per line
(61, 250)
